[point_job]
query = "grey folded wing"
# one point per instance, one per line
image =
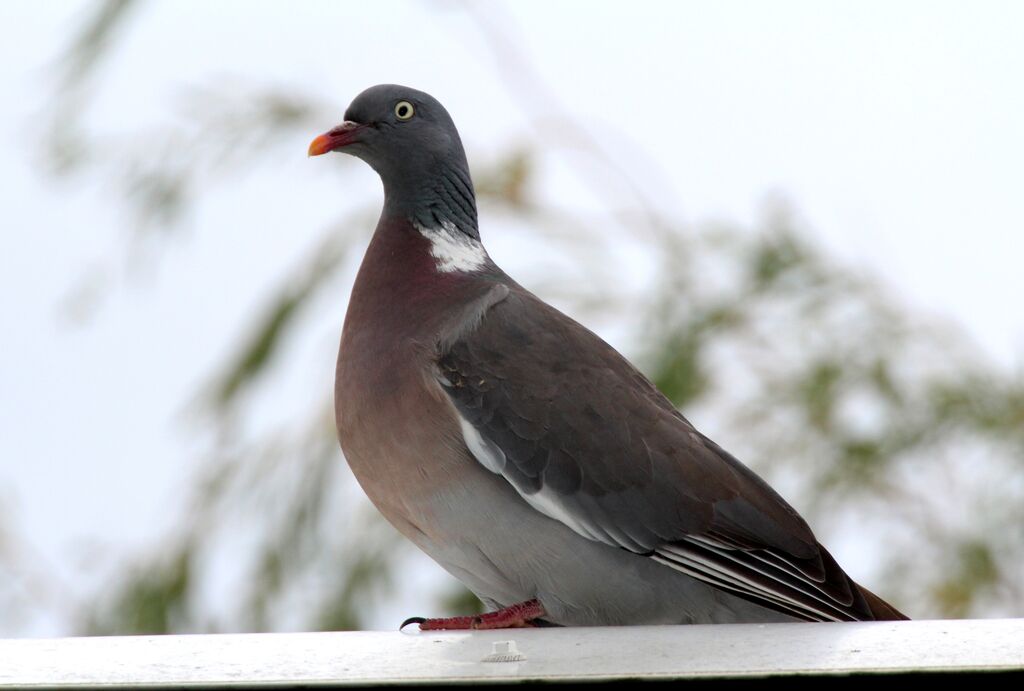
(586, 439)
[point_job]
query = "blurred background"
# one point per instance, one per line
(803, 220)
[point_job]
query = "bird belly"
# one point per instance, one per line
(505, 551)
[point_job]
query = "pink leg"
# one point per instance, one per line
(513, 617)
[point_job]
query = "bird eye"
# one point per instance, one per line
(404, 110)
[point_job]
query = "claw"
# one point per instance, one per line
(522, 615)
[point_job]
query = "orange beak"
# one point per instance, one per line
(342, 135)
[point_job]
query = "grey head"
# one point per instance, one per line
(409, 138)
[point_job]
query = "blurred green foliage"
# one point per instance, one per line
(883, 428)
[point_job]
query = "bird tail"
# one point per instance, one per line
(881, 609)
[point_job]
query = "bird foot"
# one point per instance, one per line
(522, 615)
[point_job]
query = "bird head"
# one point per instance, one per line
(410, 140)
(404, 134)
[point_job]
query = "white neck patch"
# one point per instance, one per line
(452, 249)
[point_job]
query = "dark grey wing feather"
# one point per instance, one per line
(585, 438)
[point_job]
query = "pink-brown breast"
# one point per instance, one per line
(398, 430)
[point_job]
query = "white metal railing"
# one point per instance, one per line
(553, 654)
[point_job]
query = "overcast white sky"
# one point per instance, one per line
(895, 129)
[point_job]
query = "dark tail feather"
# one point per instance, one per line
(881, 609)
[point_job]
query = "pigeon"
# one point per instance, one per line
(520, 451)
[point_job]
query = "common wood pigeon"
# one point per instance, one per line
(522, 452)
